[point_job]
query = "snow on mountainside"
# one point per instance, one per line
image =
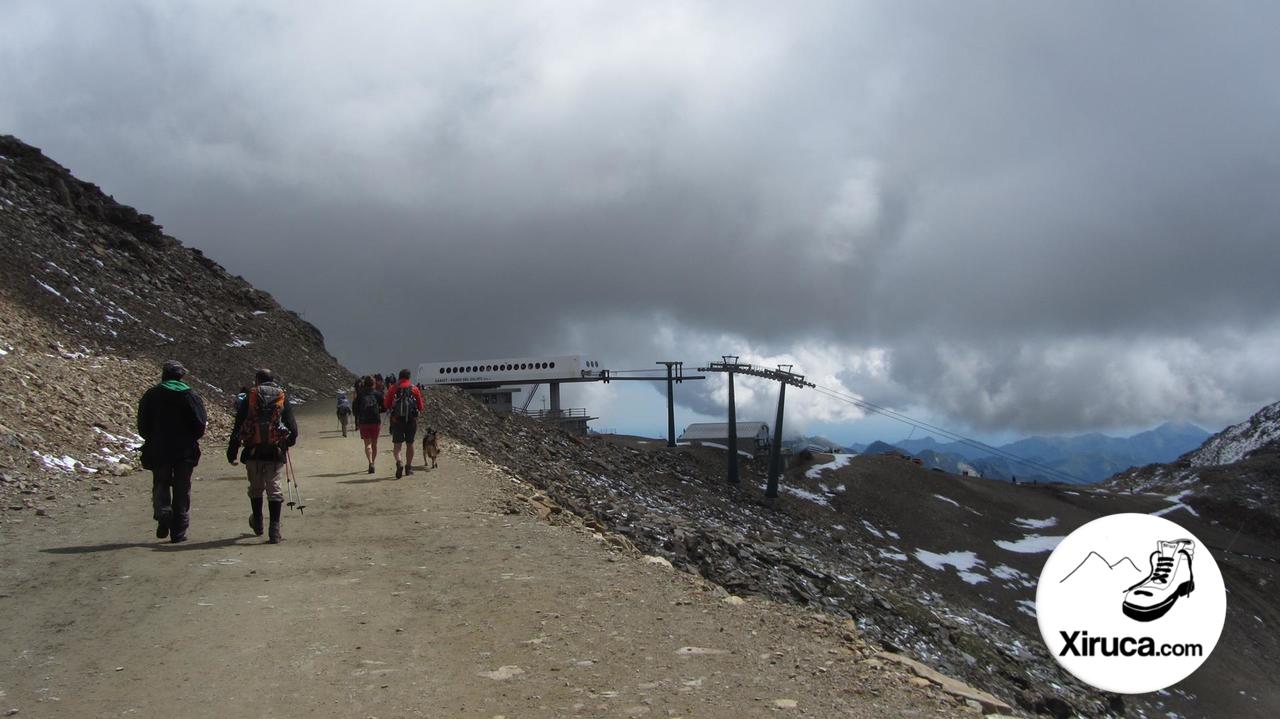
(1234, 442)
(93, 297)
(1233, 479)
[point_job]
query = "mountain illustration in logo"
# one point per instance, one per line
(1171, 577)
(1095, 569)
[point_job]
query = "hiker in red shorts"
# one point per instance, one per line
(368, 409)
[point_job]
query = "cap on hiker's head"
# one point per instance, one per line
(173, 369)
(263, 375)
(404, 374)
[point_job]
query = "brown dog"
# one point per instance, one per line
(430, 448)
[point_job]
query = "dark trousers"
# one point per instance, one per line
(171, 495)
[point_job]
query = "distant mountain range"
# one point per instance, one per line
(1085, 458)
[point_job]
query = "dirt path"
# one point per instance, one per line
(422, 597)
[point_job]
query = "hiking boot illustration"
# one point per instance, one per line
(1170, 578)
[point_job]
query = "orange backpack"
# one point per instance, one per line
(263, 424)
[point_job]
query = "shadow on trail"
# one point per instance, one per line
(341, 474)
(370, 480)
(159, 545)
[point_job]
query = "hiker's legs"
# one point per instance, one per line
(395, 450)
(181, 485)
(274, 508)
(408, 434)
(264, 478)
(368, 450)
(161, 499)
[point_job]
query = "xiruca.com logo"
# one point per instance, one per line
(1130, 603)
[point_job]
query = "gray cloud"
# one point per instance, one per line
(1012, 218)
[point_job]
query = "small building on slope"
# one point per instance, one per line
(753, 437)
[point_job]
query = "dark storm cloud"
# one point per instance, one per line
(1014, 216)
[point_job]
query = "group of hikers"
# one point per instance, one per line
(172, 419)
(397, 397)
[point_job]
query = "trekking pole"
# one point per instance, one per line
(291, 476)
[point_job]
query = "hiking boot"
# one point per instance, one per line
(162, 525)
(371, 468)
(399, 470)
(178, 538)
(1171, 577)
(255, 519)
(273, 531)
(408, 469)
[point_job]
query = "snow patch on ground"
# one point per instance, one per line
(715, 445)
(50, 289)
(947, 499)
(892, 553)
(837, 461)
(872, 528)
(1177, 504)
(964, 562)
(64, 463)
(1028, 607)
(1030, 544)
(1024, 523)
(818, 499)
(238, 343)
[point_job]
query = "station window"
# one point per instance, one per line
(553, 365)
(442, 370)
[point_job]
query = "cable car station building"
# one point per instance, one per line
(494, 382)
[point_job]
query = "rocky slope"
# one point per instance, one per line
(1238, 441)
(93, 297)
(866, 538)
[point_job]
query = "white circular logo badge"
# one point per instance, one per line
(1131, 603)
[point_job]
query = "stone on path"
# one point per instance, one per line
(698, 651)
(503, 672)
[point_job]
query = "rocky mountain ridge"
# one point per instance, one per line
(93, 297)
(1237, 441)
(1233, 478)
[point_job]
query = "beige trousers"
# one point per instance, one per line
(265, 477)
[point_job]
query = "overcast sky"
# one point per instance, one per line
(1006, 218)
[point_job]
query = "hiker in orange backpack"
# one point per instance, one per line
(404, 403)
(266, 429)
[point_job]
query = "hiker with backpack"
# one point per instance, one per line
(266, 429)
(344, 411)
(171, 421)
(369, 417)
(404, 403)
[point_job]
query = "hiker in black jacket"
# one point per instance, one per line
(266, 429)
(171, 421)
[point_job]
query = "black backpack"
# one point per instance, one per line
(405, 408)
(369, 408)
